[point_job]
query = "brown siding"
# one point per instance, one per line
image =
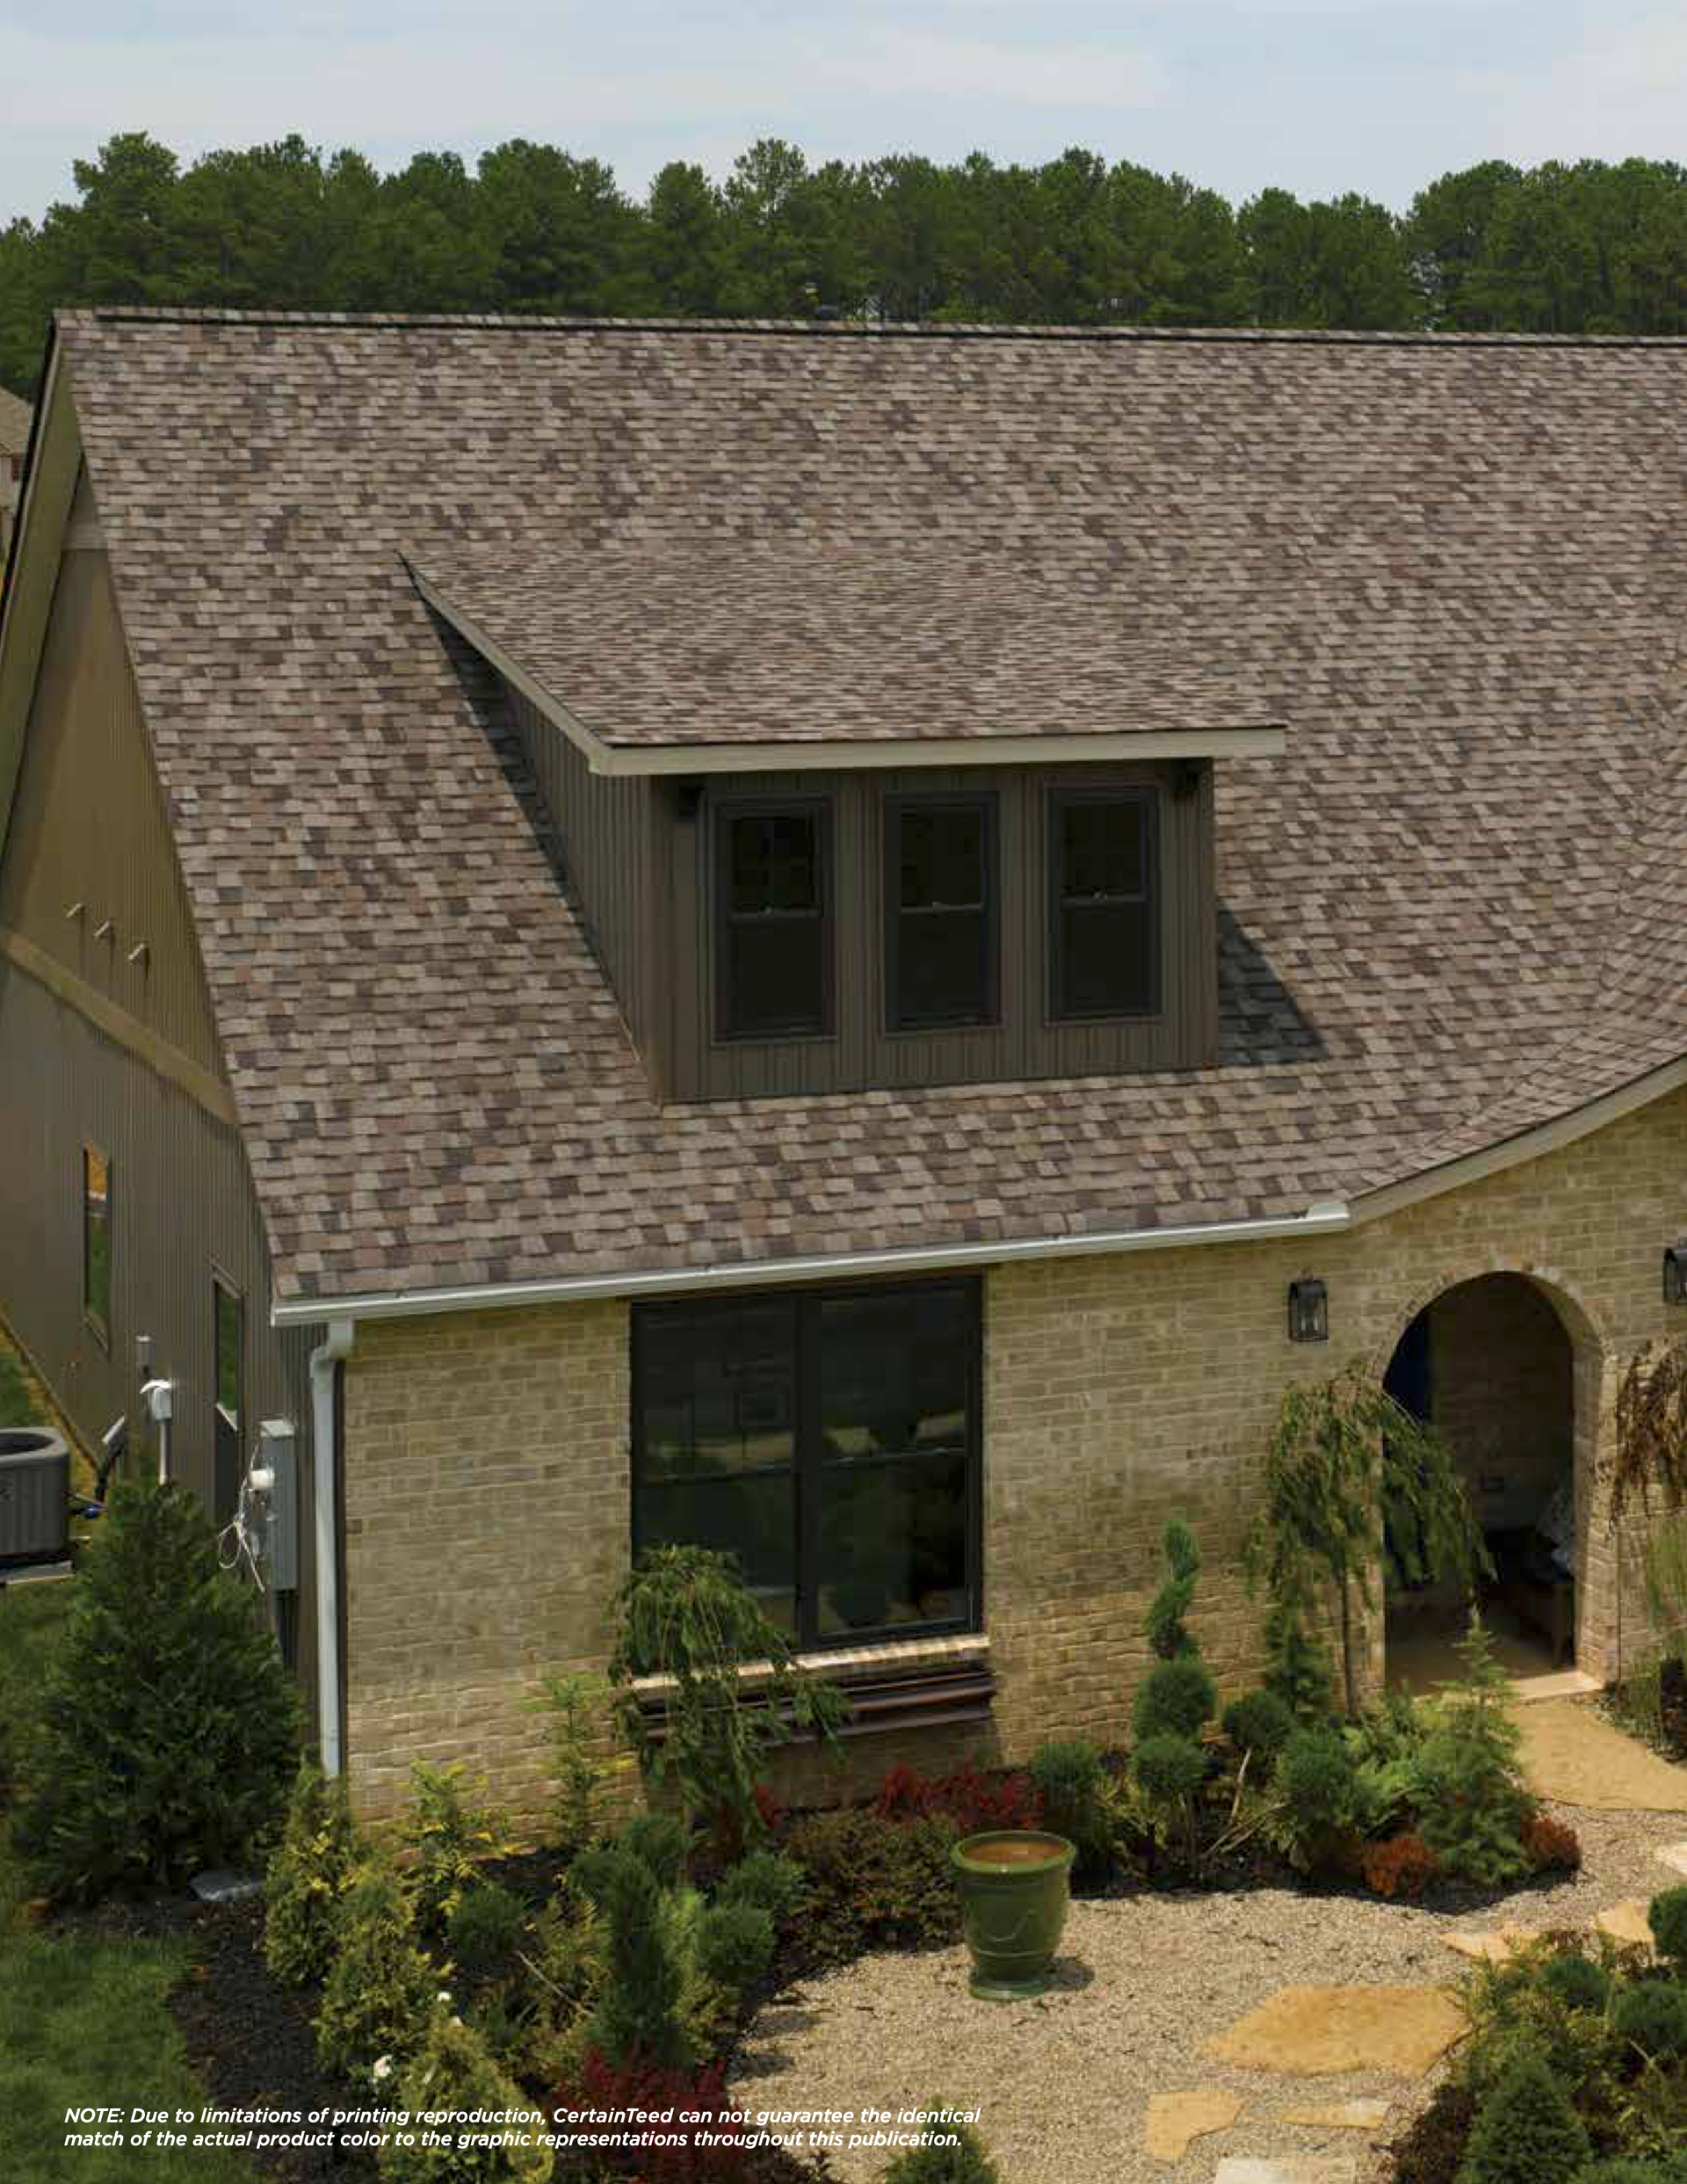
(87, 826)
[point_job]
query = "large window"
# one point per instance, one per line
(939, 911)
(1103, 931)
(827, 1439)
(96, 1243)
(773, 947)
(229, 1316)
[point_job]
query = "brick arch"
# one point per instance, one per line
(1582, 1320)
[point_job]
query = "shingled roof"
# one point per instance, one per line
(1455, 909)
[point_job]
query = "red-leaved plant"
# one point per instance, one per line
(974, 1801)
(1549, 1845)
(646, 2088)
(1404, 1865)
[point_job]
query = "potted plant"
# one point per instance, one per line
(1013, 1895)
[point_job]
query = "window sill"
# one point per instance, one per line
(893, 1684)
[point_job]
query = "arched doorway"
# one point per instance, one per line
(1490, 1364)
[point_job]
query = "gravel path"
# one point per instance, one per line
(1064, 2081)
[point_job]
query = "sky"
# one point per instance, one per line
(1316, 96)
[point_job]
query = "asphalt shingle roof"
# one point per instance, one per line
(1456, 907)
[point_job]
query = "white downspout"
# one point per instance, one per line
(341, 1335)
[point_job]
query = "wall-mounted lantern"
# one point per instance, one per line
(1308, 1310)
(1674, 1273)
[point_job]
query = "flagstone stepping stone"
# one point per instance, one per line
(1312, 2032)
(1674, 1856)
(1341, 2116)
(1575, 1756)
(1628, 1922)
(1290, 2169)
(1491, 1948)
(1176, 2120)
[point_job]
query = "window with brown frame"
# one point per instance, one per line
(773, 941)
(940, 911)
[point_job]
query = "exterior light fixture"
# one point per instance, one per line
(1308, 1310)
(1674, 1273)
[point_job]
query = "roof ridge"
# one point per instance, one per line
(925, 330)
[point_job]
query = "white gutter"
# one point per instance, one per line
(1318, 1220)
(324, 1448)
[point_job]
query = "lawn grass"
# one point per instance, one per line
(18, 1404)
(83, 2017)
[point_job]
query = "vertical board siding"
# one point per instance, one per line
(87, 826)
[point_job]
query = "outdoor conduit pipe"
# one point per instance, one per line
(324, 1448)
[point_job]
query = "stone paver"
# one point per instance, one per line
(1573, 1755)
(1290, 2169)
(1309, 2032)
(1628, 1922)
(1674, 1856)
(1494, 1948)
(1176, 2120)
(1340, 2115)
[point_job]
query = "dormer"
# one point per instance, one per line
(834, 826)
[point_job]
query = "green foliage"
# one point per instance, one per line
(1315, 1784)
(1636, 2169)
(1666, 1581)
(1535, 2002)
(659, 1840)
(1168, 1632)
(874, 1883)
(735, 1945)
(1526, 2131)
(1259, 1724)
(1170, 1769)
(1176, 1698)
(1575, 1982)
(1667, 1916)
(640, 2010)
(1070, 1780)
(1297, 1666)
(1471, 1795)
(485, 1927)
(449, 1837)
(452, 2072)
(1652, 2015)
(568, 1965)
(1343, 1452)
(963, 2161)
(1387, 1743)
(687, 1613)
(380, 1988)
(307, 1878)
(772, 1883)
(168, 1729)
(576, 1708)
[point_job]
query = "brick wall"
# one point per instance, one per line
(486, 1463)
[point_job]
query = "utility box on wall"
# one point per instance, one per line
(278, 1454)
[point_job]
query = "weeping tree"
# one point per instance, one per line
(1349, 1471)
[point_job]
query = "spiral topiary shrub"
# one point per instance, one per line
(1259, 1724)
(1178, 1698)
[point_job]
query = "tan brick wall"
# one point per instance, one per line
(486, 1464)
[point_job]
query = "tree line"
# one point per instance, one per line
(1588, 248)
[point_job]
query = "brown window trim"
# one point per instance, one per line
(725, 811)
(988, 802)
(1060, 797)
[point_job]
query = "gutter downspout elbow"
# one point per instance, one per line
(324, 1465)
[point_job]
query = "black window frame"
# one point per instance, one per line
(727, 810)
(986, 803)
(97, 1324)
(806, 1456)
(1061, 798)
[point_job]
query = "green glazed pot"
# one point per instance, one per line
(1013, 1895)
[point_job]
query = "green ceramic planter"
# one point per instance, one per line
(1013, 1895)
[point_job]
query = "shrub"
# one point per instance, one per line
(576, 1710)
(169, 1730)
(454, 2071)
(975, 1802)
(1168, 1633)
(1525, 2132)
(874, 1883)
(1069, 1778)
(1652, 2015)
(1576, 1983)
(569, 1953)
(1169, 1771)
(1550, 1846)
(1298, 1668)
(962, 2161)
(381, 1989)
(307, 1878)
(658, 1840)
(449, 1838)
(1471, 1795)
(1635, 2169)
(1402, 1866)
(638, 2017)
(1259, 1725)
(773, 1884)
(686, 1612)
(598, 2085)
(1668, 1918)
(1385, 1744)
(1178, 1698)
(1315, 1783)
(485, 1929)
(735, 1945)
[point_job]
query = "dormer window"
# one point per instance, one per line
(940, 915)
(1102, 945)
(773, 957)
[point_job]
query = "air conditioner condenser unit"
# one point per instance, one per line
(34, 1496)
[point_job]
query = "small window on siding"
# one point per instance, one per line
(773, 942)
(940, 888)
(229, 1322)
(1102, 883)
(96, 1243)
